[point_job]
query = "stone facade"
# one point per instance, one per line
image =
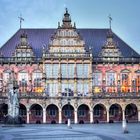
(68, 80)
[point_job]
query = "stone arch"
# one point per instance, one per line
(3, 112)
(52, 114)
(23, 112)
(36, 113)
(99, 113)
(115, 113)
(131, 112)
(67, 111)
(83, 114)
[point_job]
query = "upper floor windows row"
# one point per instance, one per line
(67, 70)
(67, 33)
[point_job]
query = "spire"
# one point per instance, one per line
(66, 20)
(110, 21)
(20, 20)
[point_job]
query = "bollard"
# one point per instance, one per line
(124, 127)
(69, 124)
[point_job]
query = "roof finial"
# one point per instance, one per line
(58, 24)
(74, 25)
(66, 10)
(21, 19)
(110, 21)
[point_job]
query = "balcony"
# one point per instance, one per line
(41, 94)
(132, 60)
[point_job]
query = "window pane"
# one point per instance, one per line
(97, 79)
(70, 69)
(64, 70)
(80, 70)
(85, 70)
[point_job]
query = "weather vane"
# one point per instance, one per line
(110, 21)
(21, 19)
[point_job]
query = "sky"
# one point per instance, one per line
(86, 14)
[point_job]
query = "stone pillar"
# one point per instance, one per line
(75, 79)
(91, 116)
(123, 115)
(44, 115)
(59, 80)
(60, 116)
(138, 115)
(28, 116)
(75, 88)
(90, 76)
(107, 115)
(75, 116)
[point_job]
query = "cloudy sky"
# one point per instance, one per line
(86, 14)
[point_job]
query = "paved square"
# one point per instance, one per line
(78, 132)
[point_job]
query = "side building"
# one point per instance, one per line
(89, 75)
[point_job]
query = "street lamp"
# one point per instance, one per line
(69, 113)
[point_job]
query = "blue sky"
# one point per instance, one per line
(86, 14)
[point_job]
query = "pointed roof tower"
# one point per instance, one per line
(66, 20)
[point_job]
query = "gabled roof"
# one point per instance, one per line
(39, 38)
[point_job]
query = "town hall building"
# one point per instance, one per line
(87, 75)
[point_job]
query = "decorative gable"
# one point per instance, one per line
(110, 51)
(23, 50)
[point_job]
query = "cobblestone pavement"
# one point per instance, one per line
(78, 132)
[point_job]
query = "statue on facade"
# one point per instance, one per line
(13, 102)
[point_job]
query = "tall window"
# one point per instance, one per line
(64, 70)
(52, 70)
(125, 81)
(6, 75)
(97, 82)
(67, 70)
(67, 89)
(86, 89)
(80, 70)
(52, 89)
(37, 79)
(110, 81)
(70, 69)
(97, 79)
(49, 69)
(85, 70)
(23, 79)
(55, 70)
(80, 88)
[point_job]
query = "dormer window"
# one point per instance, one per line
(110, 49)
(23, 49)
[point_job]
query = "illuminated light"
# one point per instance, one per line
(97, 90)
(38, 89)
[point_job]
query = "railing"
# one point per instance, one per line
(20, 59)
(42, 95)
(67, 55)
(115, 59)
(135, 60)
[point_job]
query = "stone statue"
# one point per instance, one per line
(13, 103)
(13, 117)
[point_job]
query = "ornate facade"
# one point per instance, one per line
(93, 68)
